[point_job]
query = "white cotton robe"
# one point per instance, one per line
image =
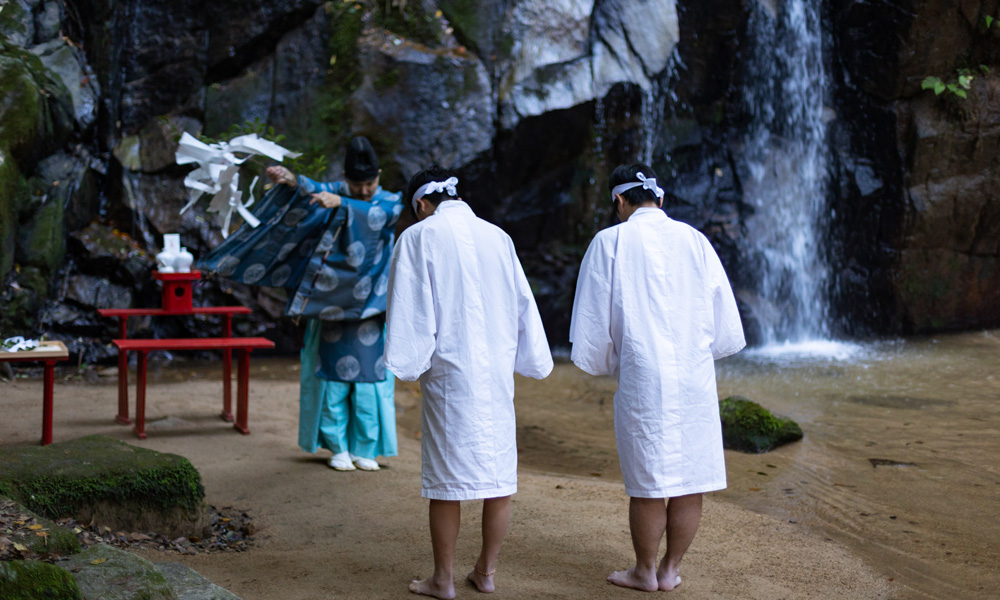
(654, 308)
(462, 319)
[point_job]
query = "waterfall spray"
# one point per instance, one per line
(786, 158)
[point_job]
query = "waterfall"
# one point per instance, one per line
(785, 154)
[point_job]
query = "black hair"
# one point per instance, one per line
(360, 161)
(432, 173)
(636, 196)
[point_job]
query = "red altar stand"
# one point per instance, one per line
(177, 301)
(48, 353)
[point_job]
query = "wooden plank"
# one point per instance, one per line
(251, 343)
(46, 349)
(159, 312)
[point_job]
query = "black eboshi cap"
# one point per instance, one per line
(360, 162)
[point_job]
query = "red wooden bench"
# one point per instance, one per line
(123, 314)
(243, 347)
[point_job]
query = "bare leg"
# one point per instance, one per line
(496, 518)
(683, 517)
(647, 519)
(445, 518)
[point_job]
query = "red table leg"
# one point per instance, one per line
(47, 402)
(227, 372)
(242, 391)
(140, 396)
(122, 416)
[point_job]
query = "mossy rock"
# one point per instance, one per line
(107, 573)
(37, 111)
(57, 540)
(36, 580)
(12, 189)
(749, 427)
(112, 483)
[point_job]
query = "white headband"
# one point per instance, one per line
(647, 183)
(433, 187)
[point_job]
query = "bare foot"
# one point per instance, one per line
(428, 587)
(668, 580)
(631, 579)
(483, 583)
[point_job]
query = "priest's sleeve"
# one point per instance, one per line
(411, 325)
(590, 326)
(728, 328)
(533, 356)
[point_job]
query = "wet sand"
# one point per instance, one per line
(325, 534)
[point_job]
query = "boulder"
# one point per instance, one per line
(34, 580)
(423, 106)
(12, 191)
(100, 249)
(66, 63)
(749, 427)
(104, 480)
(41, 236)
(68, 180)
(95, 292)
(107, 573)
(17, 23)
(188, 584)
(56, 541)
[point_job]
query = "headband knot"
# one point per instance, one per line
(433, 187)
(647, 183)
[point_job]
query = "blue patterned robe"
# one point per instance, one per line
(334, 264)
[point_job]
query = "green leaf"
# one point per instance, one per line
(989, 21)
(960, 93)
(939, 87)
(984, 69)
(929, 83)
(965, 81)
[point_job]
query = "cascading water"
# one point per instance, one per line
(786, 158)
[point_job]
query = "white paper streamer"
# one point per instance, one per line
(18, 343)
(218, 173)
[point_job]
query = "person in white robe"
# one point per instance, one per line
(654, 309)
(462, 318)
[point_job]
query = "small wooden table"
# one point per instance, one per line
(49, 353)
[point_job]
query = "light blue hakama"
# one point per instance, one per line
(356, 417)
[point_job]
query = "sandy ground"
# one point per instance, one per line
(326, 534)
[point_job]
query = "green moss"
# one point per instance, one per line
(35, 580)
(106, 572)
(12, 188)
(42, 238)
(465, 17)
(21, 104)
(386, 79)
(409, 21)
(60, 479)
(749, 427)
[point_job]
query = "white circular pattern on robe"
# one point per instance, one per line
(379, 249)
(227, 266)
(368, 332)
(356, 254)
(281, 275)
(350, 217)
(363, 288)
(370, 312)
(332, 332)
(332, 313)
(396, 211)
(254, 273)
(262, 244)
(294, 216)
(326, 243)
(376, 218)
(380, 365)
(348, 368)
(327, 280)
(382, 285)
(285, 251)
